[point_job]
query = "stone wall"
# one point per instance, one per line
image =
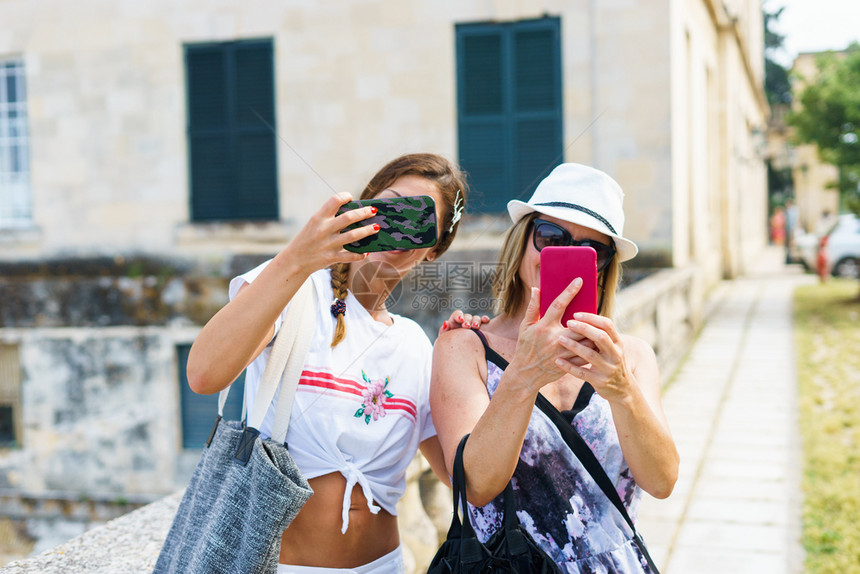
(96, 349)
(665, 308)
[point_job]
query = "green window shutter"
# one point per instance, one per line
(206, 68)
(210, 156)
(212, 188)
(536, 54)
(481, 70)
(482, 124)
(253, 85)
(198, 412)
(509, 107)
(536, 100)
(231, 119)
(256, 161)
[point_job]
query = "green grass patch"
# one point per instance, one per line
(827, 334)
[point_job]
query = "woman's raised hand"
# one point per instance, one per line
(320, 242)
(598, 356)
(459, 319)
(538, 343)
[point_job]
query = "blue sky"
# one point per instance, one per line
(816, 25)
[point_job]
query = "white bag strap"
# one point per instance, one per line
(295, 364)
(287, 358)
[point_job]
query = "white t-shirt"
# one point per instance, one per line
(361, 408)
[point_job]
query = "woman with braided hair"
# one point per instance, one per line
(362, 407)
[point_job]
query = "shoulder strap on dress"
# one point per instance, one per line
(490, 354)
(585, 455)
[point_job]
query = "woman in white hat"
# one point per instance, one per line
(597, 381)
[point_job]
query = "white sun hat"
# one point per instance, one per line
(584, 196)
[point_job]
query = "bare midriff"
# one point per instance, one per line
(314, 538)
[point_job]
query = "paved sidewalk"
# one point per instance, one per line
(732, 408)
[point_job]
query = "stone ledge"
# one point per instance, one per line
(128, 544)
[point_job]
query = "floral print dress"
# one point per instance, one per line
(558, 502)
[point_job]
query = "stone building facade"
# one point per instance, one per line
(111, 260)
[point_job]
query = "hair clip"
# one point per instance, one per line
(458, 211)
(338, 307)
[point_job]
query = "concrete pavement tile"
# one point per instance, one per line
(775, 449)
(754, 440)
(730, 423)
(691, 448)
(692, 455)
(691, 424)
(659, 554)
(775, 455)
(743, 489)
(748, 426)
(715, 534)
(657, 531)
(706, 399)
(776, 422)
(718, 468)
(765, 512)
(669, 509)
(707, 561)
(688, 470)
(773, 411)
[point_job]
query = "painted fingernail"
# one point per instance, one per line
(578, 315)
(376, 227)
(372, 210)
(445, 325)
(459, 318)
(577, 281)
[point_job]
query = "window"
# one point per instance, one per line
(231, 136)
(14, 147)
(198, 412)
(509, 107)
(10, 396)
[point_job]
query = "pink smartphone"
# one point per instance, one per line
(558, 267)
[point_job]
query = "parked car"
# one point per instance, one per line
(804, 249)
(839, 249)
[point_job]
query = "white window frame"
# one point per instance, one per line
(15, 196)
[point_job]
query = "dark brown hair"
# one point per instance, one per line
(452, 187)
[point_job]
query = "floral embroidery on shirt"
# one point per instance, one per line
(373, 397)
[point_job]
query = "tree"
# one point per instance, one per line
(776, 83)
(828, 116)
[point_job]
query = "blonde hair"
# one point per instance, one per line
(452, 187)
(509, 292)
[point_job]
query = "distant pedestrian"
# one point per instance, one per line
(777, 226)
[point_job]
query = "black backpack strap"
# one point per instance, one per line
(582, 451)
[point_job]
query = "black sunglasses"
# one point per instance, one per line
(547, 234)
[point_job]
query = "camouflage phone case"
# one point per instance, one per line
(404, 223)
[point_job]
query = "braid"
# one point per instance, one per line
(339, 281)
